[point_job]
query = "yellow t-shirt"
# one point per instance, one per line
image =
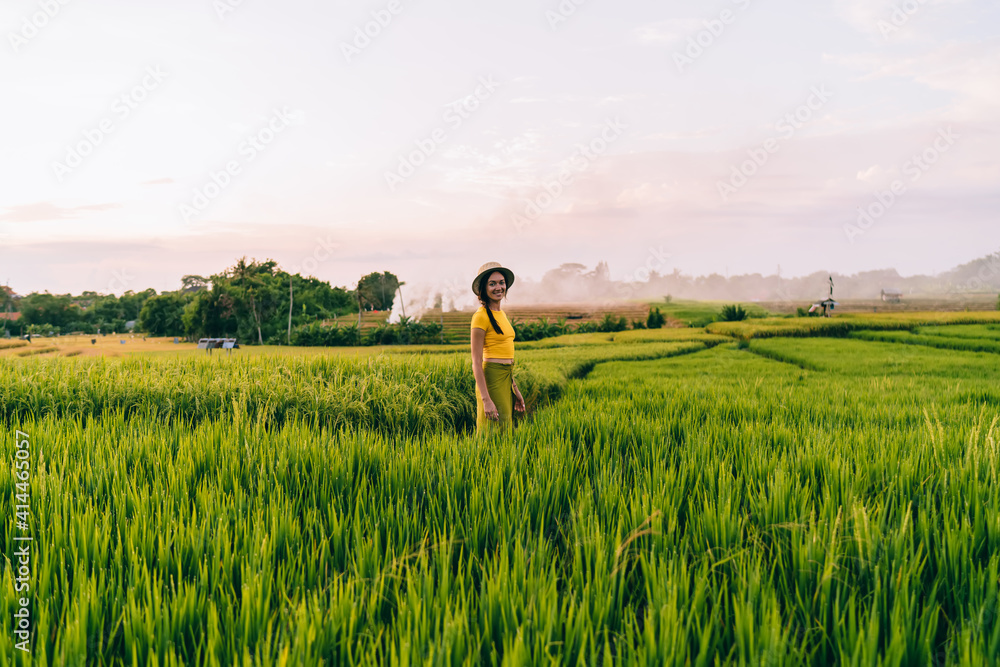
(495, 346)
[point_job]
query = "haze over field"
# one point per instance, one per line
(147, 141)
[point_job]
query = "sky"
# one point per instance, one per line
(145, 141)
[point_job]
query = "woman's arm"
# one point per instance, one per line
(478, 337)
(518, 399)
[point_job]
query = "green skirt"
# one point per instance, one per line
(500, 384)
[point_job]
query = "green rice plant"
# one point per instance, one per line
(551, 369)
(380, 393)
(937, 340)
(976, 331)
(691, 313)
(841, 325)
(679, 503)
(629, 336)
(566, 340)
(386, 393)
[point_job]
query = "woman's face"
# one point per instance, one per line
(496, 286)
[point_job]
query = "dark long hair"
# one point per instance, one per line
(485, 300)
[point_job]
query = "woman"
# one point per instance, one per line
(497, 394)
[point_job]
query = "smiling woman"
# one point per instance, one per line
(497, 395)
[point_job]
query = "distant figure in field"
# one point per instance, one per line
(497, 395)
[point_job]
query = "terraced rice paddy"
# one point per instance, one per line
(670, 500)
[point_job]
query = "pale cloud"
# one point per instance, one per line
(618, 99)
(668, 32)
(643, 195)
(873, 174)
(888, 19)
(507, 163)
(863, 15)
(690, 134)
(969, 70)
(44, 211)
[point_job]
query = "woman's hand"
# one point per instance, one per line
(518, 400)
(490, 408)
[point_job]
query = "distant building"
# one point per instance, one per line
(13, 317)
(892, 295)
(130, 325)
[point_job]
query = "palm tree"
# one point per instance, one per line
(245, 276)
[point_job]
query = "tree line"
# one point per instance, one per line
(253, 301)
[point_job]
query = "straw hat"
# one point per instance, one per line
(490, 267)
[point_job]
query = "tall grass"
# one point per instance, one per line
(407, 395)
(978, 331)
(704, 506)
(966, 343)
(387, 393)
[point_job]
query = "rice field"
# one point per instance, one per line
(673, 498)
(843, 324)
